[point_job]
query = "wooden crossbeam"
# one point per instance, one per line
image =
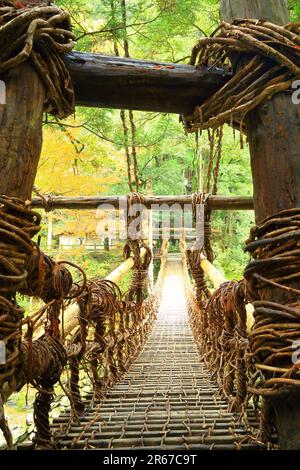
(86, 202)
(113, 82)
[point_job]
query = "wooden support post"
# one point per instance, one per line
(21, 131)
(274, 139)
(21, 128)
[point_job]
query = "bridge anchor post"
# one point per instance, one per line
(274, 139)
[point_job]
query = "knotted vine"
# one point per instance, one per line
(274, 65)
(40, 35)
(201, 247)
(275, 338)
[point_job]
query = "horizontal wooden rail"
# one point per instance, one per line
(124, 83)
(86, 202)
(214, 275)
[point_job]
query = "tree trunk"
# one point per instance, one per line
(272, 10)
(21, 128)
(21, 131)
(274, 139)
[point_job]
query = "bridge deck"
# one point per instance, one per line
(167, 400)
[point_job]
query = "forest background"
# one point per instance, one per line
(89, 153)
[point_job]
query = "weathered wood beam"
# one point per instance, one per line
(274, 138)
(21, 130)
(113, 82)
(87, 202)
(271, 10)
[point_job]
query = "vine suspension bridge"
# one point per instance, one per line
(179, 365)
(167, 400)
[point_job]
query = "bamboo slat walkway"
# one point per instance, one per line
(167, 400)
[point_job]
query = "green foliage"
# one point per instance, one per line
(295, 10)
(156, 30)
(85, 155)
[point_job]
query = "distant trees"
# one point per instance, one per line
(92, 158)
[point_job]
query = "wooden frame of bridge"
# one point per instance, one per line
(273, 133)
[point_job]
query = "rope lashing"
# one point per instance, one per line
(99, 306)
(201, 199)
(40, 35)
(194, 258)
(275, 336)
(140, 272)
(47, 199)
(133, 246)
(47, 279)
(274, 53)
(202, 246)
(219, 331)
(18, 224)
(44, 362)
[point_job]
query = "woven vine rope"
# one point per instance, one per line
(274, 64)
(275, 336)
(24, 268)
(133, 247)
(17, 225)
(195, 252)
(117, 326)
(40, 35)
(219, 331)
